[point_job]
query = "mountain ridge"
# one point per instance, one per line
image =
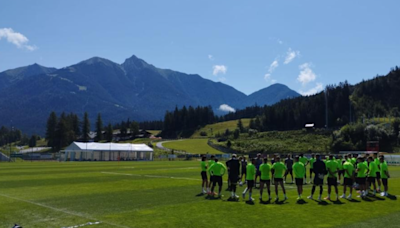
(134, 89)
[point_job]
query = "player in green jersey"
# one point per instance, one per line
(279, 170)
(203, 166)
(362, 169)
(372, 170)
(312, 160)
(209, 164)
(348, 168)
(340, 162)
(217, 170)
(384, 175)
(378, 174)
(250, 177)
(299, 173)
(265, 169)
(332, 169)
(305, 162)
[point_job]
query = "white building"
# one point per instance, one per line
(80, 151)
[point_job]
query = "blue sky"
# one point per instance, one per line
(246, 44)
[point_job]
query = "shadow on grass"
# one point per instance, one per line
(281, 202)
(366, 199)
(337, 202)
(354, 200)
(230, 199)
(392, 197)
(375, 197)
(265, 202)
(200, 194)
(301, 201)
(322, 202)
(213, 197)
(250, 202)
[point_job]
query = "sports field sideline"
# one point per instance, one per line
(165, 194)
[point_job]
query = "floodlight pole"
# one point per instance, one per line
(326, 107)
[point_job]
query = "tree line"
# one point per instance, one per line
(185, 121)
(64, 129)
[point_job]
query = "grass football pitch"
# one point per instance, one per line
(164, 194)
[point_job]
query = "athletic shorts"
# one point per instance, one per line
(361, 180)
(348, 182)
(332, 181)
(277, 180)
(318, 181)
(203, 175)
(233, 179)
(268, 182)
(311, 170)
(217, 180)
(258, 173)
(211, 178)
(384, 181)
(378, 175)
(341, 172)
(250, 183)
(289, 171)
(299, 181)
(371, 179)
(244, 171)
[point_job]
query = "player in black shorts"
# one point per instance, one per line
(233, 166)
(289, 167)
(243, 165)
(258, 173)
(319, 172)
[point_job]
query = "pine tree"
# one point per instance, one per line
(32, 141)
(134, 128)
(51, 130)
(240, 126)
(85, 128)
(109, 133)
(99, 128)
(61, 138)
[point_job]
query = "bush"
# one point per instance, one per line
(203, 133)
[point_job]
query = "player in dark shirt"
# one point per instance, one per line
(289, 166)
(319, 171)
(243, 164)
(233, 166)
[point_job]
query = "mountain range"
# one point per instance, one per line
(133, 89)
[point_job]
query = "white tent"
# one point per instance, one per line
(79, 151)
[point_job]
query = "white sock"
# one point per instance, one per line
(245, 191)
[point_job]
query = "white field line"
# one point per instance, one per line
(154, 176)
(183, 178)
(163, 169)
(61, 210)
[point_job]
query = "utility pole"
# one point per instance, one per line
(326, 107)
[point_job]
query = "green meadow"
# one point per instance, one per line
(164, 194)
(194, 146)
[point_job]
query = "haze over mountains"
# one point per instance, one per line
(133, 89)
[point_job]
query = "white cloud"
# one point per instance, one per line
(226, 108)
(16, 38)
(219, 69)
(273, 66)
(280, 41)
(290, 55)
(211, 57)
(318, 87)
(306, 74)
